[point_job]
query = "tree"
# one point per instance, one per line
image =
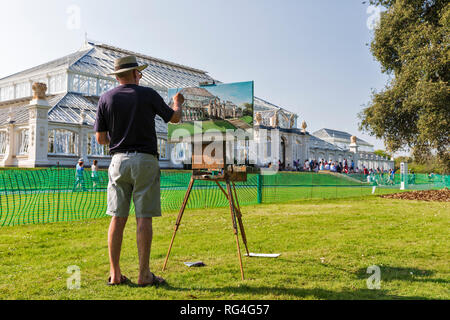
(248, 109)
(413, 110)
(382, 153)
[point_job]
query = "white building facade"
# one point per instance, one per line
(44, 127)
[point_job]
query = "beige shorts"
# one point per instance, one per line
(137, 176)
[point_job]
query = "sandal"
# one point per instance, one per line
(123, 280)
(156, 282)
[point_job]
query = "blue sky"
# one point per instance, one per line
(238, 93)
(309, 57)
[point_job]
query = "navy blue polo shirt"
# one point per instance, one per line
(128, 113)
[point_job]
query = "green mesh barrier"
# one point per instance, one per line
(55, 194)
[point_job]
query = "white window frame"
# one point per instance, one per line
(73, 144)
(3, 142)
(24, 142)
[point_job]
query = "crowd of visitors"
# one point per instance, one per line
(345, 166)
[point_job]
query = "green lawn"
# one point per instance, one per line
(326, 248)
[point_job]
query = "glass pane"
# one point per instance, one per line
(63, 142)
(75, 83)
(24, 141)
(92, 86)
(84, 84)
(3, 142)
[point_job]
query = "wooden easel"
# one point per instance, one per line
(229, 177)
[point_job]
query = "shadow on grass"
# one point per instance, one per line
(389, 273)
(297, 293)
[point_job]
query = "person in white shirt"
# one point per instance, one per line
(94, 174)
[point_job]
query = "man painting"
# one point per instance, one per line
(126, 122)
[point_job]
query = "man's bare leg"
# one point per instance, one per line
(115, 237)
(144, 243)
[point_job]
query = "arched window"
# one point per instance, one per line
(162, 148)
(62, 142)
(3, 141)
(95, 149)
(24, 141)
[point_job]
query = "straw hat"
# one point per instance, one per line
(125, 64)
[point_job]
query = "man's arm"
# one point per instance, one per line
(102, 138)
(178, 101)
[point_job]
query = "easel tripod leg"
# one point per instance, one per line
(239, 217)
(235, 229)
(180, 216)
(238, 214)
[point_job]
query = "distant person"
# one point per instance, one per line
(306, 166)
(79, 176)
(413, 177)
(333, 167)
(94, 174)
(392, 175)
(316, 168)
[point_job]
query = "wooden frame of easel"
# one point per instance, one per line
(229, 177)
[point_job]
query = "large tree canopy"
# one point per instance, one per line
(413, 110)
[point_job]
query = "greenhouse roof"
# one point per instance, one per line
(316, 142)
(330, 133)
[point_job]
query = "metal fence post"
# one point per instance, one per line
(58, 191)
(259, 188)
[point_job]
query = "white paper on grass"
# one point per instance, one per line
(264, 255)
(194, 264)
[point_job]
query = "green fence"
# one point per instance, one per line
(55, 194)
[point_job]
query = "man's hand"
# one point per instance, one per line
(102, 138)
(178, 101)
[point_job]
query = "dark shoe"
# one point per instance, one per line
(123, 280)
(156, 282)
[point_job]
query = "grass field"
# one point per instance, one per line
(326, 248)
